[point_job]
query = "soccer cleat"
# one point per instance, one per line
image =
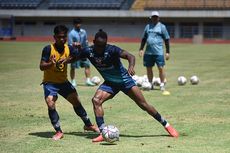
(89, 83)
(172, 132)
(98, 139)
(59, 135)
(93, 128)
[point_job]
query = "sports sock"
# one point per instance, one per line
(80, 111)
(88, 80)
(54, 118)
(162, 84)
(160, 119)
(100, 123)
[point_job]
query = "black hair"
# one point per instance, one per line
(77, 21)
(60, 28)
(101, 34)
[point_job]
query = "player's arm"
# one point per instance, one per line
(73, 56)
(131, 59)
(143, 42)
(46, 60)
(166, 38)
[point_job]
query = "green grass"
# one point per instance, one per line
(199, 112)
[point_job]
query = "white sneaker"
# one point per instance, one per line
(162, 87)
(73, 82)
(89, 83)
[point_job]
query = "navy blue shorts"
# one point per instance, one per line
(150, 60)
(53, 89)
(114, 89)
(81, 63)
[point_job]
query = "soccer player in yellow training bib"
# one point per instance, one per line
(53, 62)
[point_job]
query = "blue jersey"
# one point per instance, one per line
(155, 36)
(108, 64)
(78, 36)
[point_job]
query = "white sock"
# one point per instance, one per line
(87, 79)
(167, 124)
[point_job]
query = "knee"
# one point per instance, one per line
(96, 101)
(50, 103)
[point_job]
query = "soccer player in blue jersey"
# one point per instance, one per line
(106, 59)
(78, 36)
(154, 35)
(53, 62)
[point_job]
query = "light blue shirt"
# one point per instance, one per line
(78, 36)
(155, 36)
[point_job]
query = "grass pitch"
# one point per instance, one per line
(199, 112)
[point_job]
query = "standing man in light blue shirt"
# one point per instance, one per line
(155, 34)
(78, 37)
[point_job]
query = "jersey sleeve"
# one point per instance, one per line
(83, 53)
(165, 32)
(73, 51)
(70, 38)
(116, 51)
(46, 53)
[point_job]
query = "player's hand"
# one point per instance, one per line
(52, 59)
(141, 53)
(131, 70)
(77, 45)
(62, 61)
(167, 56)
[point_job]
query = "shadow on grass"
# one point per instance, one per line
(141, 136)
(89, 135)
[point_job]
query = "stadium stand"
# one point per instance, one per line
(181, 4)
(19, 4)
(86, 4)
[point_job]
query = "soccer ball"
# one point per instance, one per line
(146, 85)
(110, 133)
(181, 80)
(194, 80)
(139, 81)
(135, 77)
(96, 80)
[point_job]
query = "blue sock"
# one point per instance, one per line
(160, 119)
(100, 123)
(80, 111)
(54, 118)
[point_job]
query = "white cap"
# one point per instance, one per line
(155, 13)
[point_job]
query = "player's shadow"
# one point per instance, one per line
(88, 135)
(141, 136)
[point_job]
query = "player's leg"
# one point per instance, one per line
(72, 73)
(70, 94)
(50, 91)
(162, 78)
(98, 99)
(86, 65)
(136, 95)
(160, 61)
(150, 74)
(149, 62)
(103, 93)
